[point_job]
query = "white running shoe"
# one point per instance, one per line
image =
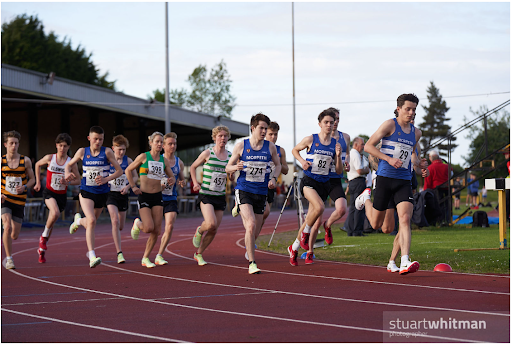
(74, 226)
(392, 267)
(409, 267)
(361, 199)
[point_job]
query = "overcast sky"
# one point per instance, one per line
(357, 57)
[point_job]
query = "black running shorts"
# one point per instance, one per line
(170, 206)
(258, 201)
(61, 199)
(336, 189)
(321, 188)
(119, 200)
(217, 201)
(150, 200)
(100, 200)
(390, 189)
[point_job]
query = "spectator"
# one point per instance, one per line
(359, 168)
(456, 185)
(473, 190)
(438, 179)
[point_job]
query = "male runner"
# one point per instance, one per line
(117, 200)
(55, 192)
(399, 140)
(17, 178)
(212, 192)
(336, 191)
(252, 157)
(322, 152)
(96, 160)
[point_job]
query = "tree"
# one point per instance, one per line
(24, 44)
(498, 135)
(210, 93)
(434, 125)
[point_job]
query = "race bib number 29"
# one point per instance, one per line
(403, 152)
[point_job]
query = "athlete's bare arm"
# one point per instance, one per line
(133, 167)
(235, 164)
(277, 162)
(168, 171)
(112, 159)
(201, 159)
(339, 163)
(305, 143)
(79, 155)
(347, 156)
(284, 164)
(37, 170)
(30, 174)
(181, 177)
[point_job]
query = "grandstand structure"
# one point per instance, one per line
(40, 106)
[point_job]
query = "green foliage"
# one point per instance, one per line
(435, 123)
(24, 44)
(498, 135)
(210, 92)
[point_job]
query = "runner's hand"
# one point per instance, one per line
(395, 162)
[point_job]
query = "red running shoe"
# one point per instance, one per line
(42, 242)
(309, 258)
(304, 241)
(41, 260)
(328, 234)
(293, 256)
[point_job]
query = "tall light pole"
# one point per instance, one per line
(293, 65)
(167, 115)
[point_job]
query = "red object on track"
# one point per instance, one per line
(443, 268)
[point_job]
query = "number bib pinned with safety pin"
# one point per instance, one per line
(255, 171)
(155, 170)
(321, 164)
(11, 182)
(92, 173)
(218, 181)
(403, 152)
(56, 182)
(116, 185)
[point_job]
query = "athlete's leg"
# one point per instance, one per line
(315, 209)
(157, 216)
(250, 222)
(265, 216)
(170, 218)
(340, 210)
(209, 225)
(53, 214)
(114, 219)
(122, 220)
(89, 221)
(11, 232)
(404, 209)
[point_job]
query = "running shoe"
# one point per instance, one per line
(147, 263)
(41, 260)
(9, 264)
(304, 241)
(42, 242)
(293, 256)
(196, 240)
(199, 259)
(160, 261)
(135, 229)
(94, 262)
(74, 226)
(120, 258)
(328, 234)
(392, 267)
(409, 267)
(235, 211)
(309, 258)
(361, 199)
(253, 268)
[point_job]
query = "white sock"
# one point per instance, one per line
(9, 258)
(46, 232)
(296, 245)
(391, 261)
(405, 258)
(307, 229)
(91, 254)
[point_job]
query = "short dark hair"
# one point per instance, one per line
(273, 126)
(63, 137)
(11, 134)
(334, 109)
(327, 112)
(255, 119)
(97, 130)
(400, 101)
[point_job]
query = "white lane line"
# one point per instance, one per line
(307, 295)
(307, 322)
(94, 327)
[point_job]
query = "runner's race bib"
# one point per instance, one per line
(218, 182)
(168, 188)
(155, 170)
(56, 182)
(11, 182)
(91, 174)
(321, 164)
(255, 171)
(117, 184)
(403, 152)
